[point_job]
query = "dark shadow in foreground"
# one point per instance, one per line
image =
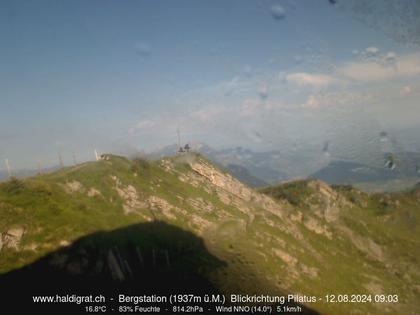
(143, 259)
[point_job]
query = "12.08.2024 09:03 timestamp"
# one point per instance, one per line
(361, 298)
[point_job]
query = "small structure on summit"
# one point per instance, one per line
(104, 157)
(184, 149)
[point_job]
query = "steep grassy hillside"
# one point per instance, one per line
(302, 237)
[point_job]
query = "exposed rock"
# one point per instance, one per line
(224, 197)
(374, 288)
(200, 204)
(297, 216)
(365, 245)
(73, 186)
(231, 191)
(287, 258)
(167, 165)
(225, 181)
(32, 247)
(92, 192)
(156, 203)
(315, 226)
(326, 201)
(311, 272)
(201, 223)
(64, 243)
(388, 202)
(11, 238)
(129, 195)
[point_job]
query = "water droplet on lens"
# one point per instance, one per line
(278, 12)
(263, 92)
(143, 49)
(298, 59)
(248, 71)
(390, 162)
(383, 136)
(325, 149)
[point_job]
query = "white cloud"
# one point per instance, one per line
(142, 125)
(203, 119)
(405, 66)
(366, 71)
(311, 80)
(321, 100)
(385, 67)
(206, 115)
(312, 102)
(372, 50)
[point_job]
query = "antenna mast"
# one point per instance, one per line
(9, 170)
(179, 138)
(60, 159)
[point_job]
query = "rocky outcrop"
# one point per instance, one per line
(221, 180)
(73, 186)
(129, 195)
(231, 191)
(11, 238)
(93, 192)
(364, 244)
(325, 201)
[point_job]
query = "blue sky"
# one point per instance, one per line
(123, 75)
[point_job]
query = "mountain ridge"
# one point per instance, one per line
(259, 169)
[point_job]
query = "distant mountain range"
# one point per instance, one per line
(344, 172)
(22, 173)
(390, 177)
(258, 169)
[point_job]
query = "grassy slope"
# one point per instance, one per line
(51, 216)
(390, 220)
